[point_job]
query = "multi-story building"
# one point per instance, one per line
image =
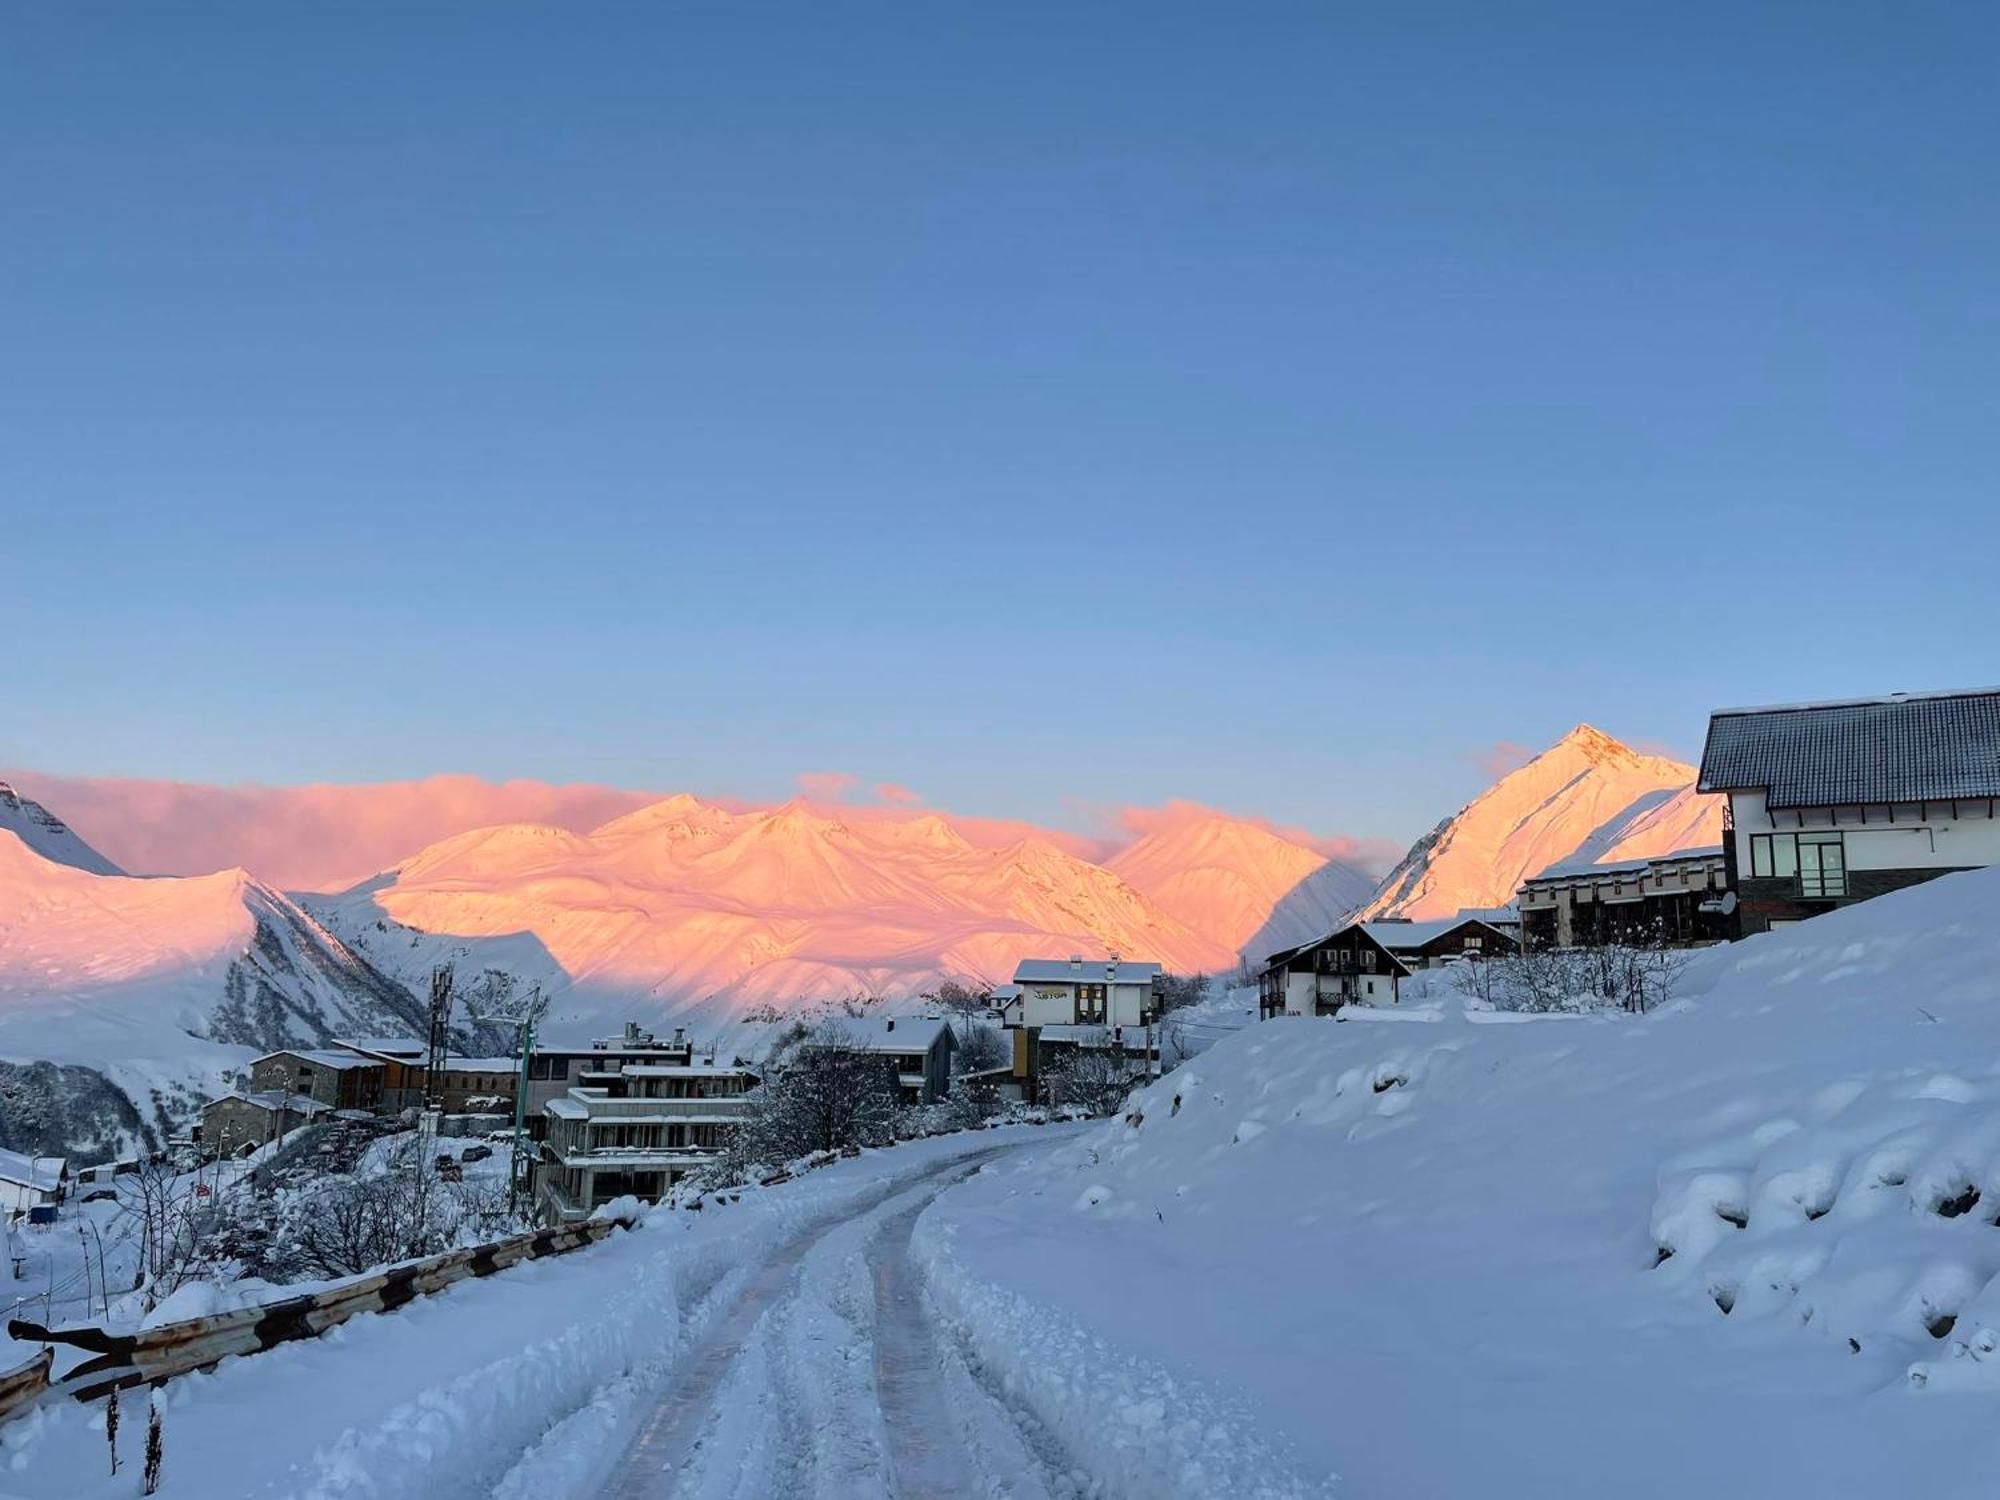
(1056, 1006)
(335, 1077)
(635, 1131)
(1832, 803)
(1676, 900)
(556, 1068)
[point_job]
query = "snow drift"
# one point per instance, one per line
(1523, 1251)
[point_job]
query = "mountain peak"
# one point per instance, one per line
(1595, 744)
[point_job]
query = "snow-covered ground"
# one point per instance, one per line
(537, 1381)
(1423, 1249)
(1745, 1246)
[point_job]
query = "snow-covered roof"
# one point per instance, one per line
(1403, 935)
(685, 1070)
(1087, 971)
(1908, 747)
(1002, 993)
(42, 1173)
(482, 1064)
(888, 1033)
(276, 1099)
(567, 1109)
(400, 1047)
(1571, 869)
(325, 1059)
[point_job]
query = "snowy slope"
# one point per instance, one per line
(159, 985)
(1457, 1222)
(1583, 798)
(46, 834)
(1241, 883)
(684, 907)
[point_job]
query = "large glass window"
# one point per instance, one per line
(1818, 861)
(1822, 865)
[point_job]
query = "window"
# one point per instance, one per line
(1817, 861)
(1367, 958)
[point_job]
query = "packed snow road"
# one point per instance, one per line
(728, 1352)
(825, 1376)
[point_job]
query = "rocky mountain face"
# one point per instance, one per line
(158, 988)
(47, 834)
(1586, 797)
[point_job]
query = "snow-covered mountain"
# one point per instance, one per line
(1239, 882)
(156, 987)
(687, 906)
(47, 834)
(1586, 797)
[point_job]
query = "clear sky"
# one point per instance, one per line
(1039, 406)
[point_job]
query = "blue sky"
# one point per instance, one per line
(1042, 406)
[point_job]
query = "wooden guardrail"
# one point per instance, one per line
(24, 1382)
(155, 1354)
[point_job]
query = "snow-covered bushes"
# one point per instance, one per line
(1548, 980)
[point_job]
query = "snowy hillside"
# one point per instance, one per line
(159, 985)
(1240, 883)
(1587, 797)
(1741, 1247)
(46, 834)
(684, 907)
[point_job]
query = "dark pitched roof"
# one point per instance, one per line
(1906, 748)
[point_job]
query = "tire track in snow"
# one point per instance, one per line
(664, 1450)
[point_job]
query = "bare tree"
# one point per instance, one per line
(1094, 1075)
(821, 1093)
(980, 1046)
(172, 1215)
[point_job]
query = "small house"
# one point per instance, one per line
(335, 1077)
(236, 1123)
(29, 1182)
(918, 1049)
(1365, 963)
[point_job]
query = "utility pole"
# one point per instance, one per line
(433, 1111)
(517, 1179)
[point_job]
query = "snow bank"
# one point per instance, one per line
(534, 1367)
(1466, 1258)
(1135, 1426)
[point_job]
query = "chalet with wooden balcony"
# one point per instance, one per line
(1832, 803)
(1366, 963)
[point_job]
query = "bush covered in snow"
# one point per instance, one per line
(1547, 980)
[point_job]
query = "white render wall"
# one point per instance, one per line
(1053, 1002)
(1907, 843)
(1301, 997)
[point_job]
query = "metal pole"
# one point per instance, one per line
(517, 1170)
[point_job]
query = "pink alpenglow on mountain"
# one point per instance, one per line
(1588, 797)
(116, 972)
(688, 905)
(1234, 880)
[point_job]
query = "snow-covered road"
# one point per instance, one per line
(824, 1375)
(780, 1345)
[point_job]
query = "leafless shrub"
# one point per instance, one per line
(1617, 976)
